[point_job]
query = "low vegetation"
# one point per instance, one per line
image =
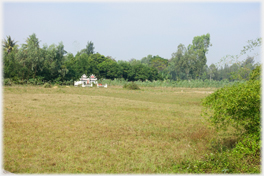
(171, 83)
(131, 86)
(122, 82)
(47, 85)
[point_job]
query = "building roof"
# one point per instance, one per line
(84, 76)
(92, 76)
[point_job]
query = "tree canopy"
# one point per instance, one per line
(53, 62)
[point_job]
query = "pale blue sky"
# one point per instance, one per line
(135, 30)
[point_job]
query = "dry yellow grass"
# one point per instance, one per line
(99, 130)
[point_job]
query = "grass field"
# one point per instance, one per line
(102, 130)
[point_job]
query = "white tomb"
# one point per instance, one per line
(88, 81)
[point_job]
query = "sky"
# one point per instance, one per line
(126, 30)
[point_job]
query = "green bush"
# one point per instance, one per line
(248, 146)
(47, 85)
(131, 86)
(237, 105)
(69, 82)
(7, 82)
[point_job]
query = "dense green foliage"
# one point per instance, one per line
(53, 64)
(237, 105)
(30, 63)
(256, 73)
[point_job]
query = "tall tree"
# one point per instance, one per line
(212, 71)
(199, 48)
(134, 62)
(125, 69)
(83, 64)
(146, 60)
(179, 65)
(11, 65)
(89, 48)
(60, 60)
(70, 65)
(54, 60)
(33, 53)
(25, 68)
(158, 63)
(9, 44)
(109, 69)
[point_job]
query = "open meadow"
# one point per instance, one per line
(102, 130)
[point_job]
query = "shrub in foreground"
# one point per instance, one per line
(131, 86)
(7, 82)
(47, 85)
(238, 106)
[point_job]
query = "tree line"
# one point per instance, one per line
(53, 63)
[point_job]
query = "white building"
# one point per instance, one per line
(86, 82)
(92, 79)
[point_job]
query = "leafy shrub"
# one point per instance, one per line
(35, 81)
(7, 82)
(58, 82)
(237, 105)
(131, 86)
(47, 85)
(69, 82)
(248, 146)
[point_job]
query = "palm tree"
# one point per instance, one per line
(9, 44)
